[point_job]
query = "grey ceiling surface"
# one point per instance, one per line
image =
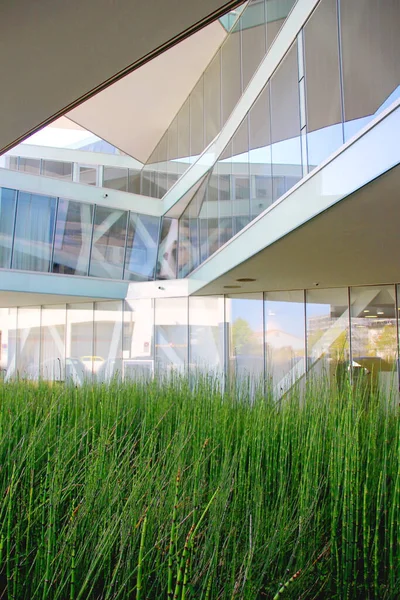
(54, 54)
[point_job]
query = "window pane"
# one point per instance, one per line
(167, 252)
(28, 342)
(197, 119)
(184, 130)
(7, 212)
(52, 351)
(374, 338)
(87, 175)
(141, 249)
(241, 177)
(212, 98)
(79, 343)
(34, 230)
(172, 135)
(8, 343)
(230, 68)
(57, 169)
(137, 345)
(171, 334)
(285, 125)
(252, 25)
(206, 334)
(260, 154)
(371, 59)
(134, 181)
(328, 339)
(276, 16)
(108, 246)
(72, 238)
(107, 357)
(324, 119)
(29, 165)
(115, 178)
(284, 339)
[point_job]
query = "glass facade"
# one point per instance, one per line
(347, 336)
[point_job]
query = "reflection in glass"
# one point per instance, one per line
(137, 344)
(244, 318)
(141, 247)
(374, 337)
(79, 365)
(253, 34)
(87, 175)
(115, 178)
(108, 247)
(107, 357)
(52, 350)
(324, 113)
(171, 334)
(28, 342)
(260, 154)
(285, 125)
(206, 334)
(29, 165)
(7, 214)
(197, 119)
(34, 230)
(240, 178)
(284, 339)
(167, 251)
(212, 98)
(371, 60)
(72, 238)
(57, 169)
(134, 181)
(8, 343)
(231, 73)
(328, 339)
(276, 16)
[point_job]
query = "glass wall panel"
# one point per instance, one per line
(197, 119)
(374, 338)
(244, 320)
(231, 73)
(7, 216)
(171, 335)
(240, 178)
(108, 247)
(328, 337)
(137, 345)
(206, 334)
(161, 176)
(371, 59)
(284, 339)
(87, 175)
(28, 342)
(52, 353)
(72, 238)
(134, 181)
(260, 166)
(79, 364)
(324, 113)
(115, 178)
(107, 357)
(211, 211)
(141, 247)
(252, 26)
(12, 163)
(167, 252)
(29, 165)
(212, 98)
(285, 125)
(184, 130)
(224, 170)
(8, 343)
(172, 167)
(57, 169)
(276, 14)
(34, 230)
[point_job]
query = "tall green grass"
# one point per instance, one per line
(169, 490)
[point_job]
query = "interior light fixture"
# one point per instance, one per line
(366, 311)
(380, 312)
(231, 287)
(371, 317)
(245, 279)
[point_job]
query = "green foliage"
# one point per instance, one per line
(166, 489)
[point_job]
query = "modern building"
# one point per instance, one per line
(228, 205)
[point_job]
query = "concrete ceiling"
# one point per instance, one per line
(134, 112)
(55, 54)
(356, 242)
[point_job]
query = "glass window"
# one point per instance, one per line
(374, 338)
(276, 15)
(252, 25)
(72, 237)
(137, 344)
(108, 247)
(12, 163)
(241, 177)
(231, 73)
(52, 351)
(29, 165)
(87, 175)
(244, 317)
(8, 343)
(107, 357)
(284, 340)
(172, 153)
(212, 98)
(171, 334)
(206, 334)
(225, 196)
(324, 118)
(328, 339)
(34, 230)
(28, 342)
(197, 119)
(184, 130)
(57, 169)
(7, 215)
(371, 59)
(115, 178)
(161, 179)
(141, 247)
(79, 364)
(134, 181)
(285, 125)
(167, 251)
